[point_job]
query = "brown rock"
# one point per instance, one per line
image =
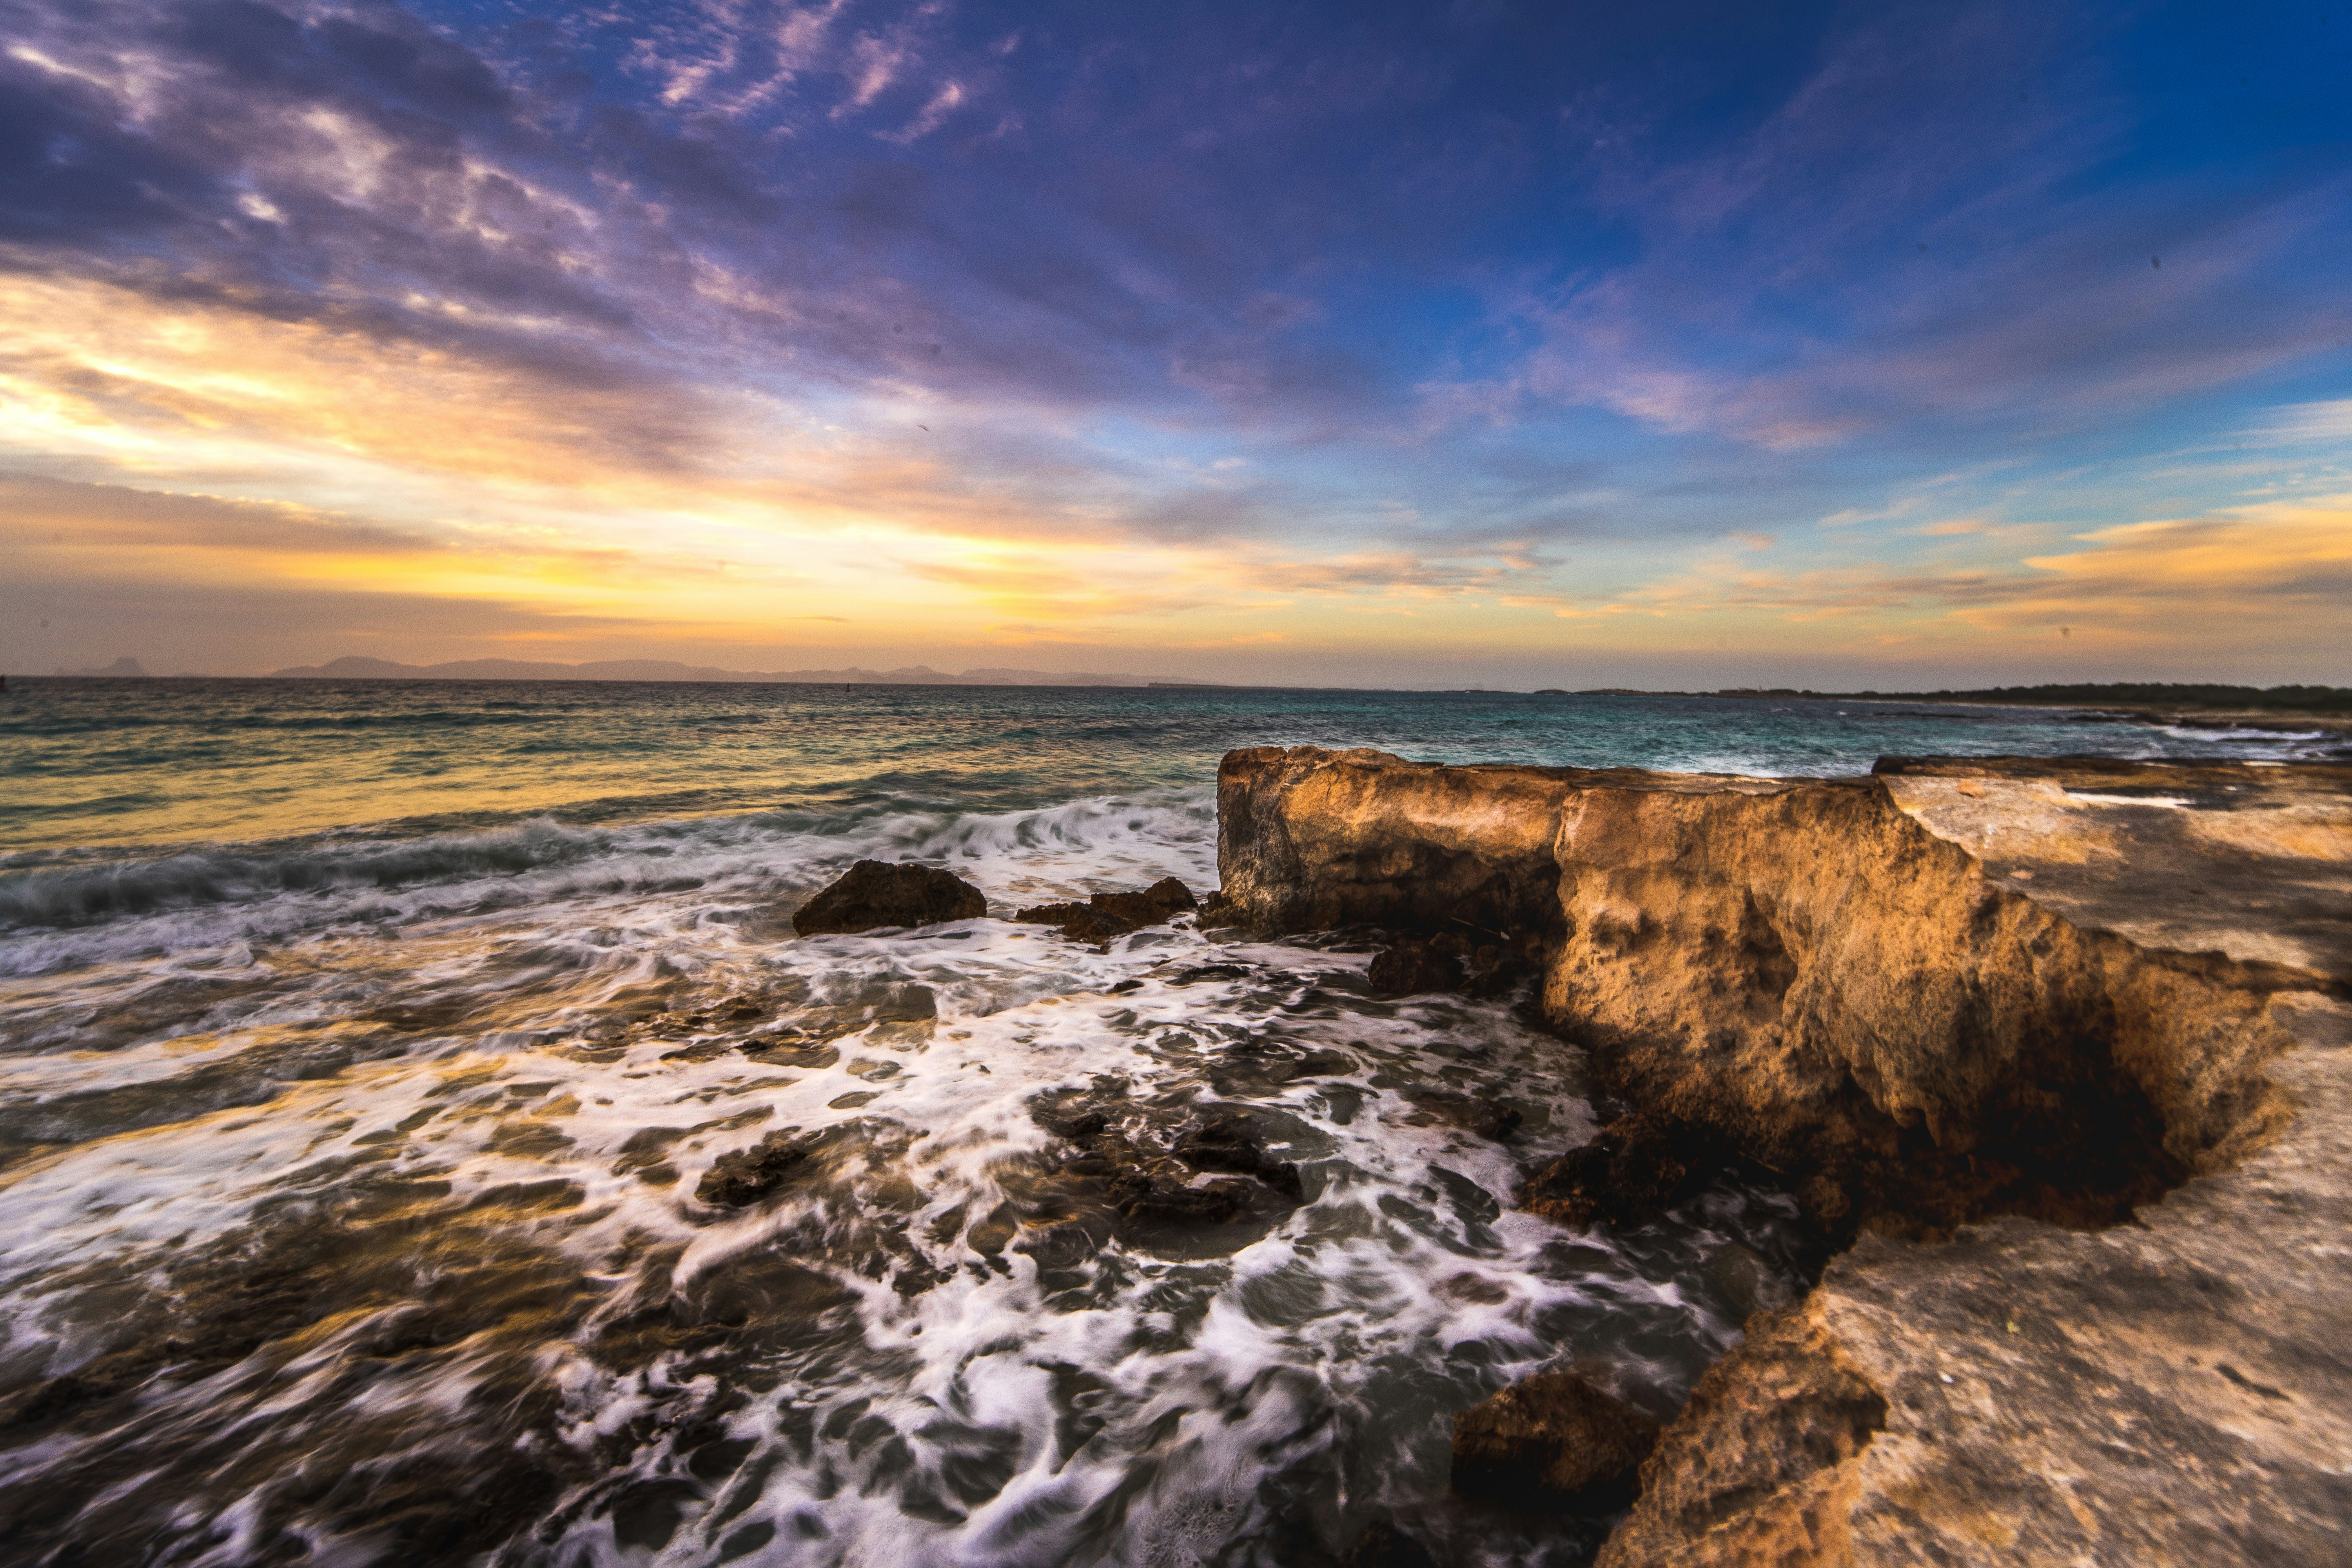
(1486, 1116)
(871, 895)
(1845, 980)
(1079, 922)
(1172, 896)
(1556, 1434)
(1411, 968)
(1633, 1168)
(1108, 915)
(746, 1176)
(1383, 1545)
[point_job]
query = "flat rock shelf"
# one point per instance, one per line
(2056, 1050)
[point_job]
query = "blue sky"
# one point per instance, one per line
(1666, 345)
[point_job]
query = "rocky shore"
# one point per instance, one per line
(2054, 1050)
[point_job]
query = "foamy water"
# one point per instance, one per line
(349, 1174)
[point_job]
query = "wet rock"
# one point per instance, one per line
(1108, 915)
(746, 1176)
(789, 1048)
(870, 896)
(1749, 1284)
(1228, 1141)
(1195, 975)
(1165, 1197)
(1383, 1545)
(1412, 968)
(1486, 1117)
(1164, 899)
(1847, 982)
(1255, 1067)
(1637, 1167)
(1079, 922)
(1553, 1434)
(1151, 1177)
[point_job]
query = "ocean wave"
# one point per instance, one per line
(84, 909)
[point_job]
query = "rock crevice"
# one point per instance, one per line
(1976, 1014)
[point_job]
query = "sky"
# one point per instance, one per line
(1672, 345)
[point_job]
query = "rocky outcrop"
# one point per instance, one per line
(872, 896)
(1108, 915)
(1148, 1156)
(1413, 967)
(1975, 1014)
(1308, 839)
(1552, 1435)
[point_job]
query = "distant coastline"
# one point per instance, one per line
(355, 667)
(2193, 702)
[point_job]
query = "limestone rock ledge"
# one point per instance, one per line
(2063, 1043)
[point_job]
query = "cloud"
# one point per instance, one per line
(36, 510)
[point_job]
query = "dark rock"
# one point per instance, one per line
(1198, 973)
(1472, 1113)
(1079, 922)
(1108, 915)
(1226, 1141)
(1555, 1435)
(1635, 1167)
(1162, 1197)
(871, 895)
(1749, 1284)
(1172, 896)
(1411, 968)
(1383, 1545)
(746, 1176)
(1118, 1142)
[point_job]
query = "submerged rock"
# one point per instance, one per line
(1635, 1168)
(746, 1176)
(1228, 1141)
(1479, 1113)
(1411, 968)
(1383, 1545)
(871, 895)
(1108, 915)
(1150, 1157)
(1553, 1436)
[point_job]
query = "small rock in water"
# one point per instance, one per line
(1556, 1434)
(1079, 922)
(1108, 915)
(1471, 1113)
(1411, 968)
(1634, 1167)
(1749, 1283)
(746, 1176)
(1226, 1141)
(1383, 1545)
(871, 895)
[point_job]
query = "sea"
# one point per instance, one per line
(362, 1045)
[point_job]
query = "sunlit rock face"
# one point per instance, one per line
(1979, 1015)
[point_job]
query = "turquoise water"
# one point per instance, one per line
(362, 1046)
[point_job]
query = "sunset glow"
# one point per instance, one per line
(1375, 347)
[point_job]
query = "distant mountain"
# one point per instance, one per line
(123, 668)
(353, 667)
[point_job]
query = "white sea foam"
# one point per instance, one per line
(481, 1042)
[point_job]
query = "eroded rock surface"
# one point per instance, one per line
(1108, 915)
(1975, 1014)
(871, 896)
(1553, 1436)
